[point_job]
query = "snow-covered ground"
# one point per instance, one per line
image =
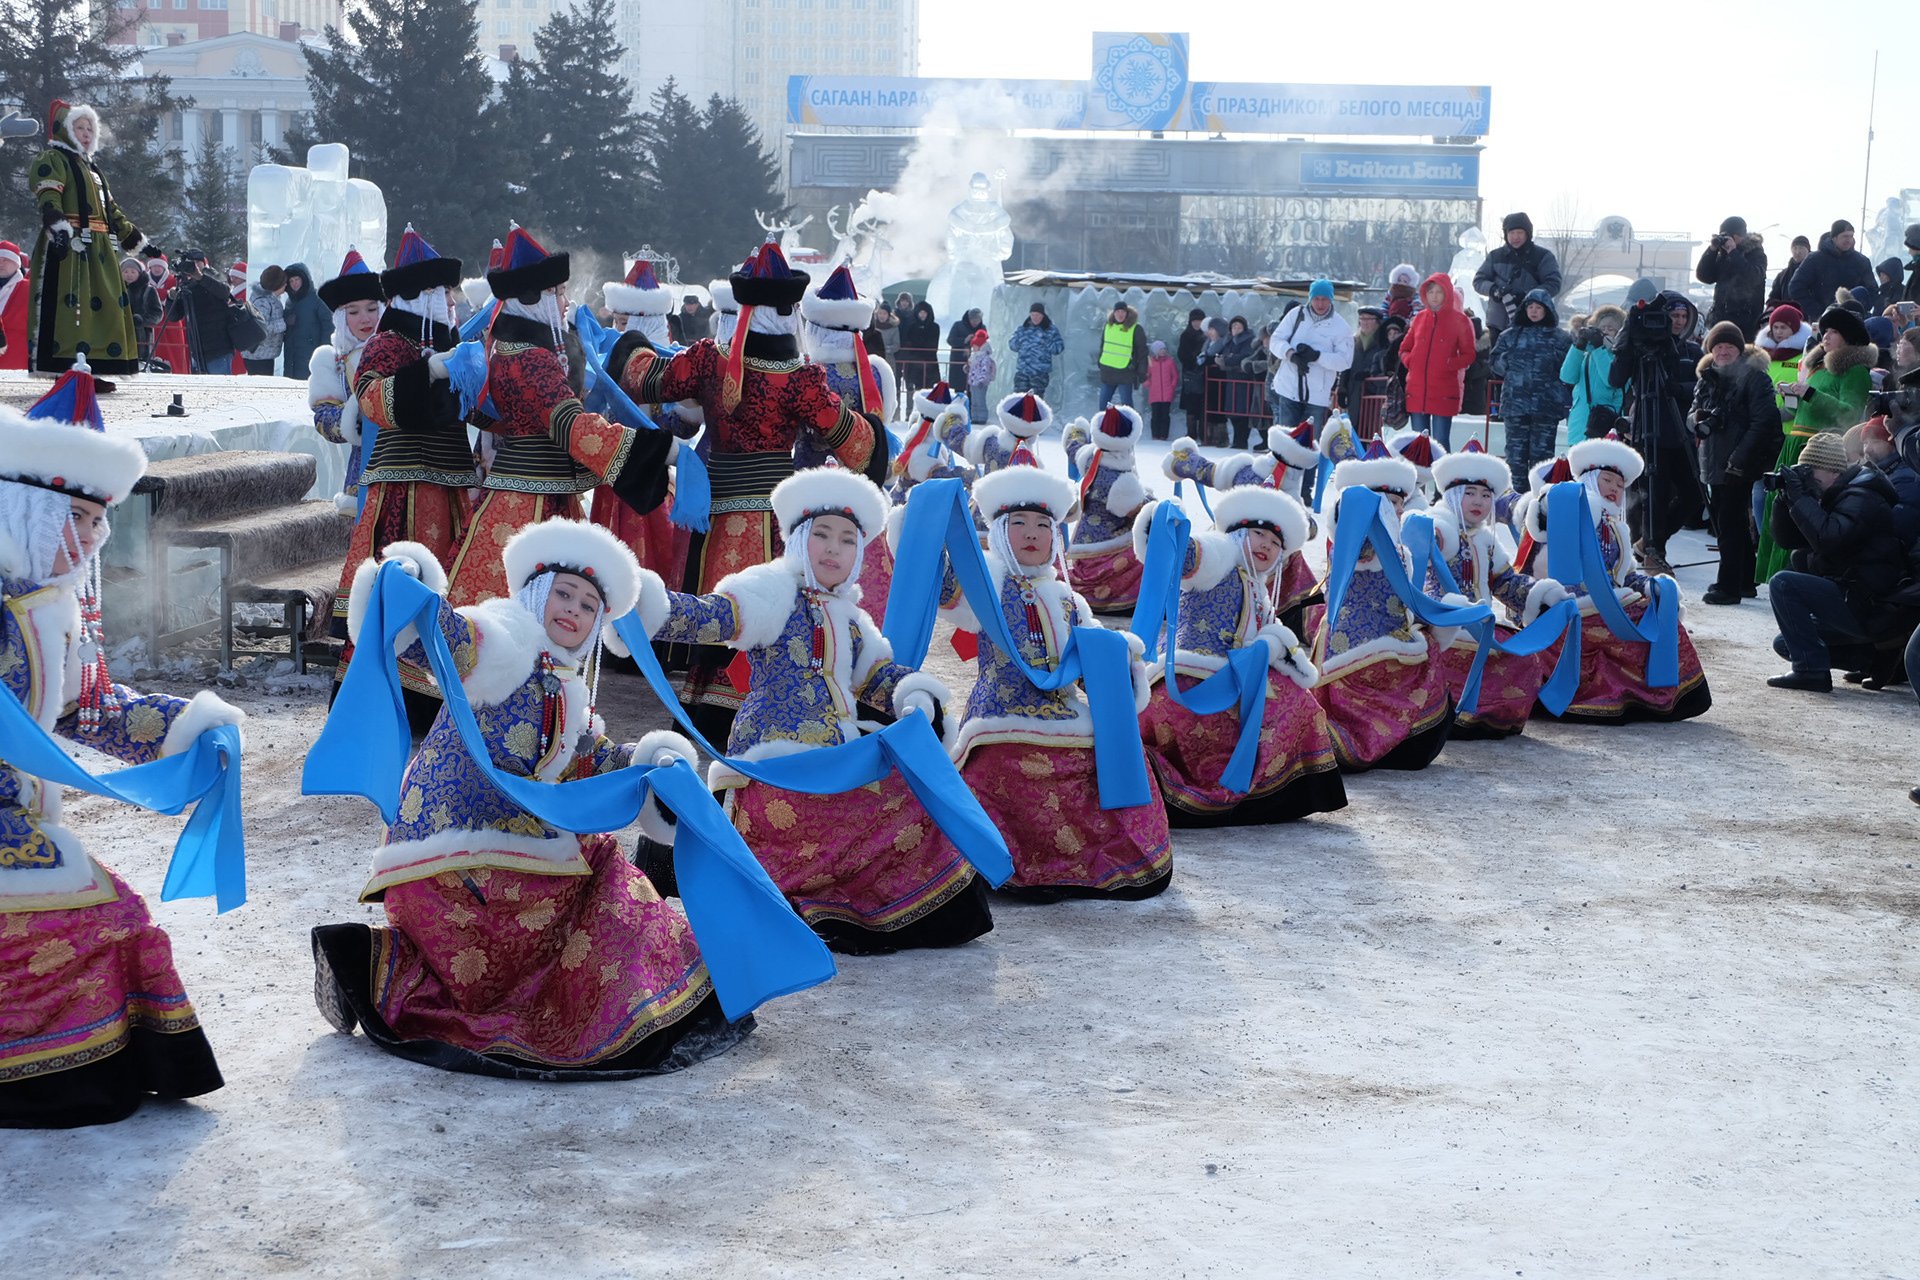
(1593, 1002)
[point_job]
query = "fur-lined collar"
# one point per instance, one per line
(1848, 357)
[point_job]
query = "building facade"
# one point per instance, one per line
(160, 22)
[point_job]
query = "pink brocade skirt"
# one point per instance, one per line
(1296, 582)
(869, 857)
(1613, 677)
(564, 971)
(876, 576)
(1189, 752)
(653, 538)
(1046, 802)
(1509, 686)
(1110, 580)
(1380, 704)
(76, 984)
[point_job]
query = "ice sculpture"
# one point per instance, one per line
(1473, 252)
(979, 239)
(862, 243)
(314, 214)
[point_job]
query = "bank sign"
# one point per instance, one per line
(1363, 171)
(1139, 82)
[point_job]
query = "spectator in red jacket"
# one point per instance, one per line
(1437, 350)
(13, 307)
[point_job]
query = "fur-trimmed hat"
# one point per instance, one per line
(1117, 429)
(765, 280)
(829, 491)
(526, 269)
(721, 291)
(61, 444)
(1012, 489)
(417, 268)
(1610, 453)
(932, 401)
(1417, 447)
(640, 294)
(1026, 415)
(1253, 506)
(1472, 465)
(1849, 326)
(1378, 469)
(582, 549)
(1295, 447)
(356, 282)
(837, 303)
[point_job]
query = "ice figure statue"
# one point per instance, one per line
(1886, 238)
(979, 239)
(1473, 252)
(862, 242)
(314, 214)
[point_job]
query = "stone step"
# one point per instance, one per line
(206, 487)
(265, 544)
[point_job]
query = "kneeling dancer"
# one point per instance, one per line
(512, 948)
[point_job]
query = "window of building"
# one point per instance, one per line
(213, 4)
(753, 26)
(752, 77)
(503, 28)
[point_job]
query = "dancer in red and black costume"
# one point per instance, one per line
(757, 395)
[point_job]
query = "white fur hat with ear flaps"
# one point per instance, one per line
(829, 491)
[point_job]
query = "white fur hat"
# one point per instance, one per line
(1021, 488)
(1472, 465)
(1377, 472)
(931, 402)
(576, 547)
(1118, 428)
(640, 294)
(830, 491)
(1417, 447)
(1607, 454)
(476, 291)
(836, 304)
(61, 444)
(1026, 415)
(1295, 447)
(721, 291)
(1258, 507)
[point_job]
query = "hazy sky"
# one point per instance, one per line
(1672, 115)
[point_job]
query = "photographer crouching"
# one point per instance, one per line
(1837, 519)
(1656, 363)
(1737, 425)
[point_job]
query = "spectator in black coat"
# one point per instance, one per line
(1892, 284)
(1737, 269)
(1780, 294)
(691, 322)
(143, 301)
(960, 345)
(1912, 292)
(1847, 562)
(1836, 264)
(201, 301)
(1737, 425)
(1369, 358)
(920, 347)
(1513, 270)
(1658, 370)
(1876, 439)
(1193, 377)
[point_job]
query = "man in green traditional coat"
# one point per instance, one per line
(79, 304)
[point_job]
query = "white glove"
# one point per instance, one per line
(206, 711)
(918, 691)
(909, 703)
(1286, 655)
(437, 366)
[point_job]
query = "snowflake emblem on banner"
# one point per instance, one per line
(1139, 79)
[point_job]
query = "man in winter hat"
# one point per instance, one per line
(1314, 346)
(1737, 270)
(1513, 270)
(1836, 264)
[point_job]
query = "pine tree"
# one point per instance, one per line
(214, 206)
(410, 96)
(706, 174)
(70, 50)
(745, 178)
(570, 103)
(673, 171)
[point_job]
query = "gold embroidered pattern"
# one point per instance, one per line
(146, 724)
